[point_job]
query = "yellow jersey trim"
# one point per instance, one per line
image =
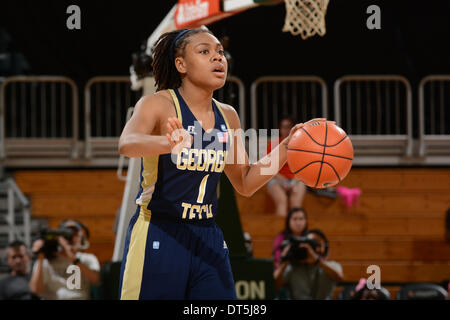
(134, 268)
(177, 105)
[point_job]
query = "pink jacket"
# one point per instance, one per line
(277, 249)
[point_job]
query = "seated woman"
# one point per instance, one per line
(284, 189)
(302, 270)
(296, 225)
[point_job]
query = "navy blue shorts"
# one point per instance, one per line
(174, 260)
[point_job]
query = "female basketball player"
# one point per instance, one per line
(174, 249)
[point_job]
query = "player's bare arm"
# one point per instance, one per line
(246, 178)
(144, 134)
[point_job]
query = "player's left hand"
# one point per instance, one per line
(178, 137)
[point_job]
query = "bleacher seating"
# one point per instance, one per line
(399, 224)
(422, 291)
(348, 292)
(91, 196)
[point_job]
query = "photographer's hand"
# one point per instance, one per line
(278, 272)
(312, 257)
(68, 250)
(92, 276)
(36, 249)
(285, 251)
(36, 283)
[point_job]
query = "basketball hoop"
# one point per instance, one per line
(305, 17)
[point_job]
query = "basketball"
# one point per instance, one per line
(320, 154)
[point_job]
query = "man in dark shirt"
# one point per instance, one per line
(15, 286)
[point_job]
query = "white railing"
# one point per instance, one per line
(39, 116)
(303, 97)
(376, 112)
(14, 231)
(35, 117)
(434, 117)
(106, 101)
(233, 93)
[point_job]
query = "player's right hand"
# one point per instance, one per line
(178, 137)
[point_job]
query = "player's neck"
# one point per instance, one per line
(197, 98)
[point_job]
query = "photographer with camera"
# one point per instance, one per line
(296, 224)
(55, 252)
(304, 267)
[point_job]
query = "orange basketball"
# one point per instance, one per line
(320, 154)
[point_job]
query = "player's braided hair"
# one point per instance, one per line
(167, 48)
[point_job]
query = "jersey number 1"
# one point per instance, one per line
(202, 189)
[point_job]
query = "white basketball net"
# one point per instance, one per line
(305, 17)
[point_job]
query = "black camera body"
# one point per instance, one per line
(295, 253)
(50, 237)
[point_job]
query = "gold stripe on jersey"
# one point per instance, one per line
(149, 176)
(132, 276)
(177, 105)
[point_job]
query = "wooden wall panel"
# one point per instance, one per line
(388, 249)
(80, 182)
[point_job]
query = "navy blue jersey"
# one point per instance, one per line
(183, 186)
(165, 257)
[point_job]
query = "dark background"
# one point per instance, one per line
(413, 40)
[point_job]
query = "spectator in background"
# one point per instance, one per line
(12, 62)
(248, 244)
(296, 224)
(15, 285)
(364, 293)
(50, 274)
(286, 191)
(313, 277)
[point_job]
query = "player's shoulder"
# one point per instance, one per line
(158, 101)
(230, 113)
(225, 107)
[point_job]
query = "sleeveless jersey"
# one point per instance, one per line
(183, 186)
